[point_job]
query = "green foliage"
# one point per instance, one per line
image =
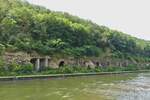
(2, 48)
(81, 69)
(16, 69)
(31, 28)
(2, 69)
(23, 69)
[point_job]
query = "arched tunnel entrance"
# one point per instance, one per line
(33, 62)
(97, 64)
(61, 63)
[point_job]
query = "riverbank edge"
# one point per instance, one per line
(29, 77)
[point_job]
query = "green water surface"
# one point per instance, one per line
(101, 87)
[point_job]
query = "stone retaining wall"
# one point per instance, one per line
(41, 62)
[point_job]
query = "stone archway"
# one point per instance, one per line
(61, 63)
(33, 62)
(97, 64)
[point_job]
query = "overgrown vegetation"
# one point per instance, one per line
(29, 28)
(15, 70)
(81, 69)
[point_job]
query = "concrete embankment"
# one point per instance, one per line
(29, 77)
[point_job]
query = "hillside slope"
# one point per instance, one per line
(31, 28)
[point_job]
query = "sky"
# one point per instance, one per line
(129, 16)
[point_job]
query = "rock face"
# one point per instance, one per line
(90, 64)
(41, 62)
(19, 58)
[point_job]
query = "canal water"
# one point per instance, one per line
(101, 87)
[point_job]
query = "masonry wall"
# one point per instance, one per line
(41, 62)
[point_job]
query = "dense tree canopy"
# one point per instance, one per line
(31, 28)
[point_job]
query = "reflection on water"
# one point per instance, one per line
(136, 89)
(105, 87)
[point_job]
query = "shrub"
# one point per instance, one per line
(131, 68)
(2, 48)
(26, 69)
(20, 69)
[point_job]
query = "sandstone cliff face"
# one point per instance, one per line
(45, 61)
